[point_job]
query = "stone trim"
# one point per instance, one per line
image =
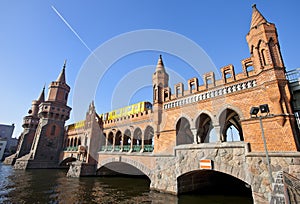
(210, 94)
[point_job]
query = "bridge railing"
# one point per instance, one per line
(127, 148)
(71, 148)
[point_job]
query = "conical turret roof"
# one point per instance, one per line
(62, 78)
(42, 96)
(160, 64)
(257, 17)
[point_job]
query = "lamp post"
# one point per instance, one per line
(254, 111)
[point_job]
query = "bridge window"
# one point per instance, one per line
(110, 138)
(183, 132)
(126, 140)
(205, 133)
(118, 139)
(53, 128)
(137, 137)
(231, 129)
(148, 139)
(75, 142)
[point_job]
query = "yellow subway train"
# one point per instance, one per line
(126, 111)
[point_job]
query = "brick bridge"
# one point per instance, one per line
(240, 131)
(241, 128)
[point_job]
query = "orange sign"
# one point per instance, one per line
(205, 164)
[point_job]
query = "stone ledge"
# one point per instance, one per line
(273, 154)
(212, 145)
(136, 154)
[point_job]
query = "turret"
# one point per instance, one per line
(263, 43)
(160, 81)
(59, 90)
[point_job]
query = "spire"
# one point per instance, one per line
(62, 78)
(257, 17)
(160, 64)
(42, 96)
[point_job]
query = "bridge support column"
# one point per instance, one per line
(79, 168)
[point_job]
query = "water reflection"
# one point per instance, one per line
(52, 186)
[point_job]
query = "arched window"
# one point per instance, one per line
(53, 128)
(75, 142)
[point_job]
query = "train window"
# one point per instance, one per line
(148, 105)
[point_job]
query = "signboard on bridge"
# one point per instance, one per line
(206, 164)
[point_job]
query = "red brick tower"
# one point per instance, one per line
(269, 69)
(30, 123)
(48, 139)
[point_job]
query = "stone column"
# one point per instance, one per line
(114, 142)
(143, 143)
(194, 131)
(106, 141)
(122, 142)
(218, 132)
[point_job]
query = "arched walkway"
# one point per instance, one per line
(184, 134)
(231, 129)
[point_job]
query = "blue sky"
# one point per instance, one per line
(35, 41)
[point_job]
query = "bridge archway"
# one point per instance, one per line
(123, 166)
(212, 182)
(184, 134)
(231, 128)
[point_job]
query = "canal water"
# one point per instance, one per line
(52, 186)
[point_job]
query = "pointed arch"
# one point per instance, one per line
(204, 126)
(229, 121)
(148, 135)
(118, 138)
(184, 134)
(110, 138)
(137, 136)
(127, 136)
(75, 141)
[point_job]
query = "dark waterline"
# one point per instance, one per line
(52, 186)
